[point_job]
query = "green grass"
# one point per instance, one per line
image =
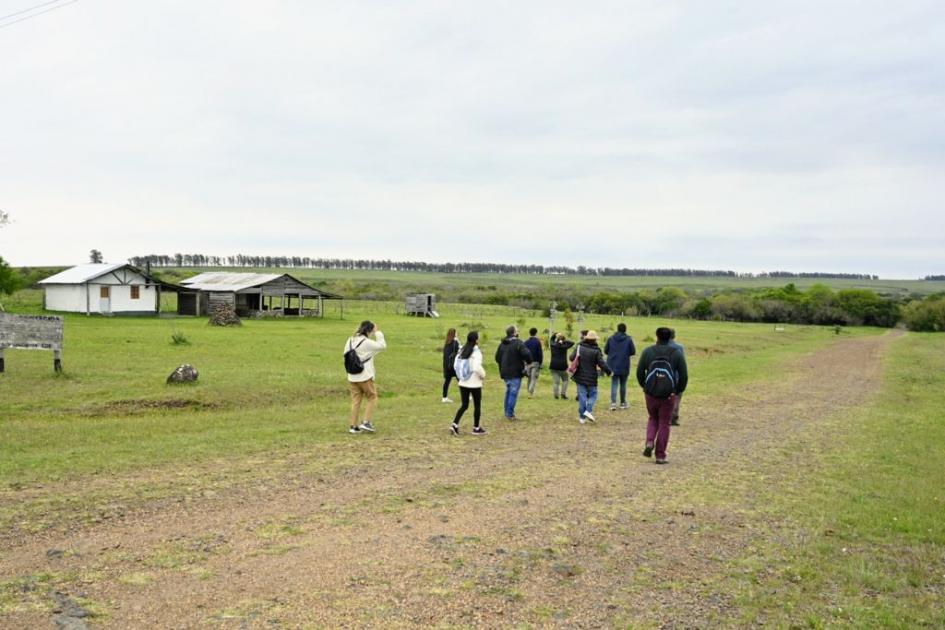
(426, 282)
(279, 385)
(867, 543)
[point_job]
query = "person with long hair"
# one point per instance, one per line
(361, 385)
(470, 375)
(450, 350)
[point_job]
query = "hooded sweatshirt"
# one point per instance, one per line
(366, 348)
(619, 348)
(512, 355)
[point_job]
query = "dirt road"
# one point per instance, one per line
(544, 522)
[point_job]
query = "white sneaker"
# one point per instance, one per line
(590, 416)
(624, 406)
(446, 400)
(613, 406)
(367, 426)
(582, 420)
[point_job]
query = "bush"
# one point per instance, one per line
(925, 316)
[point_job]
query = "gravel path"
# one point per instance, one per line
(560, 525)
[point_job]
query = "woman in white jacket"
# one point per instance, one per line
(362, 385)
(470, 373)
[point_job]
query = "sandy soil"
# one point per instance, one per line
(565, 525)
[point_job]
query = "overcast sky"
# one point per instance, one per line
(805, 136)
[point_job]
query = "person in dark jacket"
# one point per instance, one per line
(450, 350)
(559, 364)
(651, 366)
(512, 357)
(619, 348)
(533, 343)
(590, 360)
(672, 341)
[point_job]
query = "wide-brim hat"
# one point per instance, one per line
(591, 335)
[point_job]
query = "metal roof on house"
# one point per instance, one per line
(80, 274)
(225, 281)
(228, 281)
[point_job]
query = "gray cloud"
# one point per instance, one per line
(802, 135)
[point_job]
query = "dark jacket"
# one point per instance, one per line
(619, 348)
(591, 359)
(512, 355)
(559, 355)
(677, 358)
(534, 348)
(449, 353)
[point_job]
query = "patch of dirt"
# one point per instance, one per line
(143, 405)
(543, 522)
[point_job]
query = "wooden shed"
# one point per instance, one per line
(421, 305)
(253, 293)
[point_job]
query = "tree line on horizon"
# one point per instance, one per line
(353, 264)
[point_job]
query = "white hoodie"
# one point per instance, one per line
(366, 348)
(478, 372)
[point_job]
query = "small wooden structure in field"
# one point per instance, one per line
(252, 294)
(31, 332)
(118, 289)
(421, 305)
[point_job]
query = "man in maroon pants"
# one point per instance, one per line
(663, 375)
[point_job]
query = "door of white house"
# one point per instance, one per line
(104, 300)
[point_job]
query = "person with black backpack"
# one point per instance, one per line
(359, 354)
(663, 375)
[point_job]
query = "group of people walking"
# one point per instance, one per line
(661, 372)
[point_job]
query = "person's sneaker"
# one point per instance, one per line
(354, 430)
(479, 431)
(454, 429)
(446, 400)
(582, 420)
(624, 406)
(662, 461)
(613, 406)
(563, 397)
(674, 423)
(648, 450)
(557, 396)
(367, 426)
(590, 416)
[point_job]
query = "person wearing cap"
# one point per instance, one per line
(590, 364)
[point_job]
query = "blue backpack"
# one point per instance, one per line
(463, 368)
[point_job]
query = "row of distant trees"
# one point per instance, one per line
(304, 262)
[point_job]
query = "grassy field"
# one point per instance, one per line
(432, 282)
(824, 520)
(281, 384)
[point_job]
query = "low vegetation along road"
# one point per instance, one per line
(541, 523)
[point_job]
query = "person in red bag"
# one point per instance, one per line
(590, 362)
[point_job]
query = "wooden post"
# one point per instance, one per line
(158, 299)
(88, 287)
(1, 361)
(57, 361)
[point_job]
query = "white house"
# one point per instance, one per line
(104, 288)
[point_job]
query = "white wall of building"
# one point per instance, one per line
(75, 298)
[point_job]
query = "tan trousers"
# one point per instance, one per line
(367, 391)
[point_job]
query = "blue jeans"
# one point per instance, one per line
(587, 396)
(620, 379)
(512, 386)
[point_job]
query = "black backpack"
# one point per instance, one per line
(660, 376)
(353, 364)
